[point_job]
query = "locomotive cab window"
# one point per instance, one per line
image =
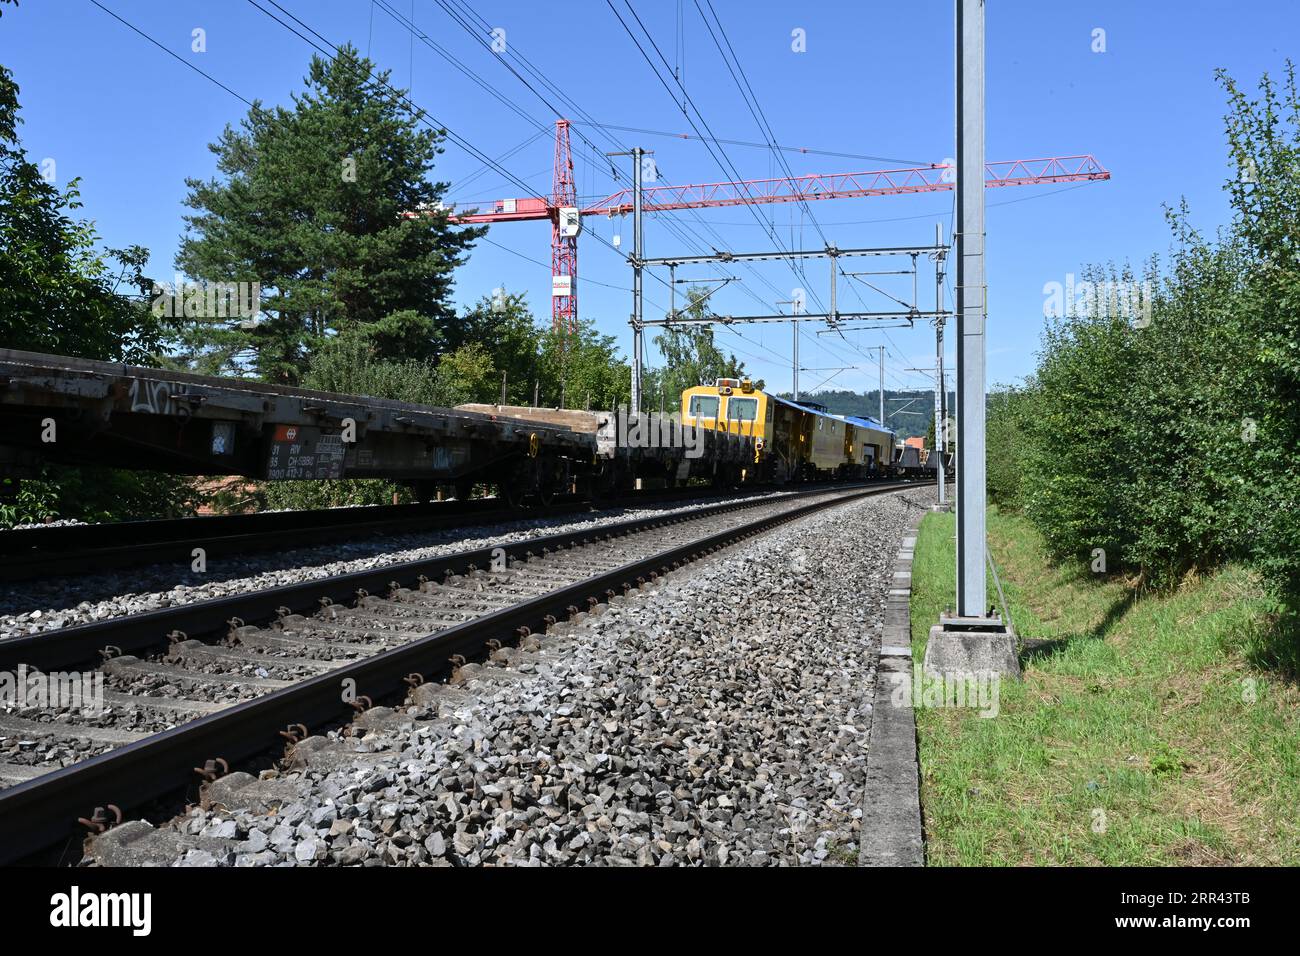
(742, 409)
(704, 406)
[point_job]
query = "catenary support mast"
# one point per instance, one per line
(970, 308)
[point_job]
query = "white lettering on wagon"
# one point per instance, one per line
(152, 397)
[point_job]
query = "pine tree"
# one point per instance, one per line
(313, 202)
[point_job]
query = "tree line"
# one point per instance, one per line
(1160, 429)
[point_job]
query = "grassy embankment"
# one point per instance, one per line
(1142, 734)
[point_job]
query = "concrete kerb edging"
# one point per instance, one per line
(891, 804)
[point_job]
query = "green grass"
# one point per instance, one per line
(1140, 734)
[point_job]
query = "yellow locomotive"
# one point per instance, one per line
(794, 441)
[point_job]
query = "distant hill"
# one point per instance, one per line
(908, 412)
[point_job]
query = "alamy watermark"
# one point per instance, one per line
(62, 690)
(978, 690)
(659, 430)
(1122, 298)
(75, 908)
(207, 300)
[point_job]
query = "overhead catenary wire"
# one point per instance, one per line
(418, 113)
(741, 79)
(924, 215)
(485, 168)
(524, 255)
(487, 162)
(179, 59)
(728, 168)
(805, 150)
(415, 110)
(417, 34)
(461, 13)
(464, 15)
(751, 102)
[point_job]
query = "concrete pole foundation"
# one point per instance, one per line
(971, 647)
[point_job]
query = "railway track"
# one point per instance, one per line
(206, 685)
(70, 549)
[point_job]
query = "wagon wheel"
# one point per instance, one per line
(548, 482)
(518, 483)
(546, 494)
(512, 492)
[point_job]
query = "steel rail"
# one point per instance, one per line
(72, 549)
(72, 646)
(42, 812)
(64, 549)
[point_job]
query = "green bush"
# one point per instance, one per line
(302, 495)
(1184, 412)
(1009, 413)
(1134, 444)
(27, 501)
(98, 494)
(1264, 140)
(1166, 433)
(1076, 463)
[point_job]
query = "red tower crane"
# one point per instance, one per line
(565, 214)
(565, 226)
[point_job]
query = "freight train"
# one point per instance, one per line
(728, 434)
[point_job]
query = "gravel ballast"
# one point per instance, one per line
(720, 718)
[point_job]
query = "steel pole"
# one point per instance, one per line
(834, 268)
(672, 292)
(636, 280)
(971, 306)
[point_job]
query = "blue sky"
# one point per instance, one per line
(875, 80)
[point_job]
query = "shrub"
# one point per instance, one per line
(1008, 410)
(99, 494)
(1172, 443)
